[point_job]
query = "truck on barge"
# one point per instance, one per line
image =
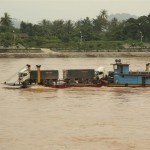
(71, 77)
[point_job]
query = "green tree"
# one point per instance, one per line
(45, 23)
(131, 28)
(6, 20)
(103, 14)
(26, 28)
(113, 23)
(6, 39)
(85, 27)
(57, 28)
(100, 24)
(45, 27)
(144, 26)
(68, 30)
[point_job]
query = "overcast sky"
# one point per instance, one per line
(36, 10)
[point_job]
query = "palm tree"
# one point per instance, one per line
(6, 20)
(101, 23)
(114, 22)
(103, 14)
(68, 26)
(45, 23)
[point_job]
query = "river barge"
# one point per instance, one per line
(119, 77)
(28, 77)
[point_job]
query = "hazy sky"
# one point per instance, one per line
(36, 10)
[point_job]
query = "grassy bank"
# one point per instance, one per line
(84, 45)
(91, 45)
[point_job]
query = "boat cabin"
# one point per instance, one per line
(122, 75)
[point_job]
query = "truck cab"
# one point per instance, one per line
(24, 76)
(101, 73)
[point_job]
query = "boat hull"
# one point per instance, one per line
(128, 85)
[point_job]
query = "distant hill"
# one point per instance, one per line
(121, 16)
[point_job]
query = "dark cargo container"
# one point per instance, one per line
(46, 76)
(78, 75)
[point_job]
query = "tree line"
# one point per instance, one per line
(74, 34)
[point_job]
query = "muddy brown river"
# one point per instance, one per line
(73, 118)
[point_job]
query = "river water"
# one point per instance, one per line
(73, 118)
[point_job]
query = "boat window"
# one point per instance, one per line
(24, 74)
(100, 73)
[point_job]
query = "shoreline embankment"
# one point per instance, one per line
(47, 53)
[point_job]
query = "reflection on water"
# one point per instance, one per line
(73, 118)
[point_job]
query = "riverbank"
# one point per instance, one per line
(46, 53)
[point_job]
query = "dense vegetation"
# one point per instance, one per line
(97, 33)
